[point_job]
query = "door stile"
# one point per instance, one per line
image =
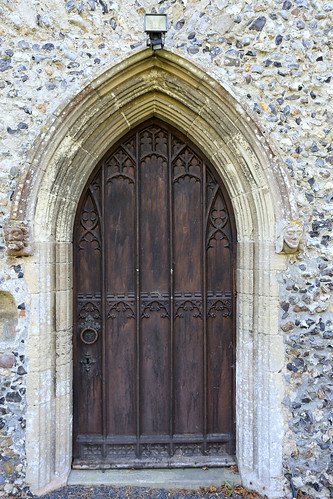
(171, 412)
(137, 284)
(204, 305)
(104, 315)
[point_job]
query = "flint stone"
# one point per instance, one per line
(256, 68)
(92, 4)
(258, 23)
(179, 24)
(5, 64)
(48, 46)
(13, 397)
(70, 6)
(287, 4)
(7, 360)
(8, 467)
(303, 3)
(289, 326)
(23, 44)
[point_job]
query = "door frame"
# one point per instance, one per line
(170, 87)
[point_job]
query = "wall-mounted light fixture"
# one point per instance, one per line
(156, 26)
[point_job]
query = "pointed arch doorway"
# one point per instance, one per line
(47, 195)
(154, 308)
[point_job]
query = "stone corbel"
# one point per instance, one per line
(289, 236)
(18, 238)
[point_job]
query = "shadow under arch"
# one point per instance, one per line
(163, 85)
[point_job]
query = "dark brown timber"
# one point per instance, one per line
(154, 308)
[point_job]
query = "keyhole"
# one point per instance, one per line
(87, 362)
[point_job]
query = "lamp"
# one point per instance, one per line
(155, 26)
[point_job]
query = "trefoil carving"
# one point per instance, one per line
(90, 223)
(223, 305)
(184, 166)
(154, 306)
(120, 165)
(218, 219)
(191, 306)
(121, 307)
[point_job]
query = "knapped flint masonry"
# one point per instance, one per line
(249, 85)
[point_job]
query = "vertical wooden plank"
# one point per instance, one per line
(220, 383)
(188, 333)
(154, 285)
(137, 300)
(172, 308)
(88, 242)
(219, 311)
(88, 315)
(119, 216)
(204, 302)
(121, 368)
(104, 332)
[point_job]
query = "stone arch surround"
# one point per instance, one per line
(164, 85)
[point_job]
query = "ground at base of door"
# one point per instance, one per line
(180, 483)
(226, 491)
(222, 492)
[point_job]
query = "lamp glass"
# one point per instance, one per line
(155, 23)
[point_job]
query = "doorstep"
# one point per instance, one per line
(178, 478)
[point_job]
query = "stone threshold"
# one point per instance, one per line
(180, 478)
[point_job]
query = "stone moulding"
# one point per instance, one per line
(75, 138)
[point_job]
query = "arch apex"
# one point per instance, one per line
(150, 84)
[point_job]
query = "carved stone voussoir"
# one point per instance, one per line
(289, 236)
(18, 238)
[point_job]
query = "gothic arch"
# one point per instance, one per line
(164, 85)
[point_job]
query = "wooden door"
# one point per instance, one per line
(154, 308)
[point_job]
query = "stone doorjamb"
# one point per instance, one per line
(164, 85)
